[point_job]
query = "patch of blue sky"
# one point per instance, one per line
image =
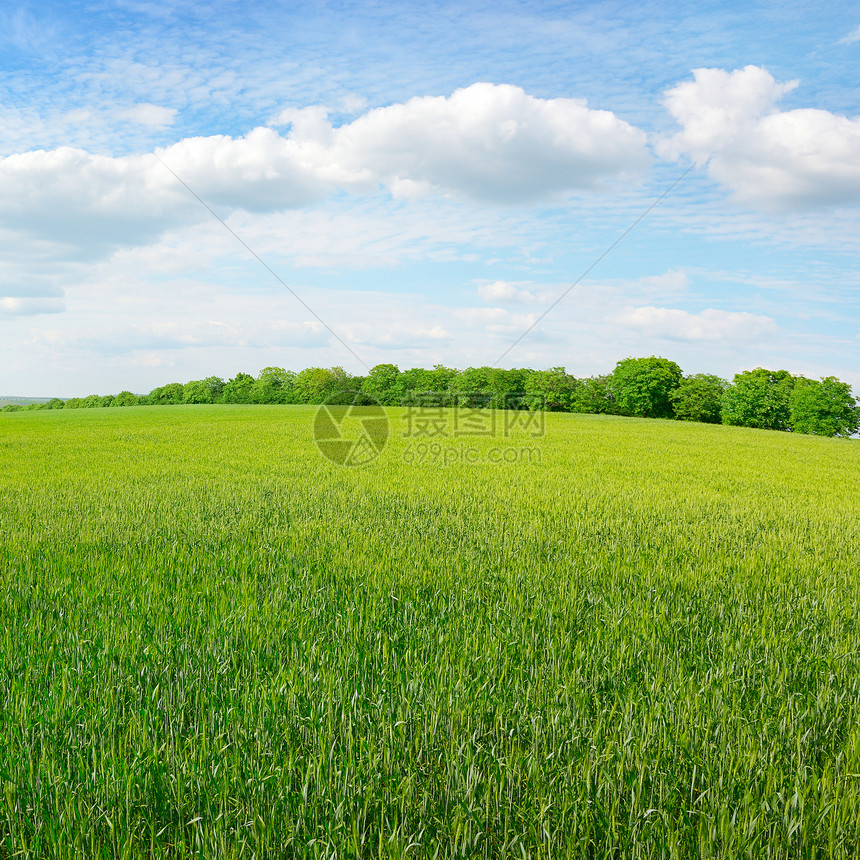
(225, 67)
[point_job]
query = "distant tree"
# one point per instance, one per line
(125, 398)
(490, 386)
(759, 398)
(552, 389)
(316, 384)
(350, 392)
(275, 385)
(825, 408)
(240, 389)
(643, 386)
(73, 403)
(471, 387)
(383, 384)
(166, 395)
(106, 401)
(91, 401)
(419, 385)
(593, 396)
(440, 379)
(216, 388)
(55, 403)
(508, 387)
(196, 391)
(699, 398)
(13, 407)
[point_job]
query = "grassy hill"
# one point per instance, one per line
(626, 638)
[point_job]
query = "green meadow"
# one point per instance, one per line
(637, 639)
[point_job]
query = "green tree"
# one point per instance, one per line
(593, 397)
(759, 398)
(419, 385)
(216, 388)
(166, 395)
(490, 386)
(643, 386)
(316, 384)
(55, 403)
(508, 387)
(196, 391)
(699, 398)
(240, 389)
(275, 385)
(472, 387)
(383, 384)
(552, 389)
(440, 379)
(825, 408)
(125, 398)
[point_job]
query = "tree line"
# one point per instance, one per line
(652, 387)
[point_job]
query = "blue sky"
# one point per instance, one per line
(429, 178)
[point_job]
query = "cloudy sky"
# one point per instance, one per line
(427, 180)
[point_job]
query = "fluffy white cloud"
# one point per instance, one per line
(261, 171)
(717, 107)
(709, 325)
(503, 291)
(769, 159)
(488, 143)
(72, 197)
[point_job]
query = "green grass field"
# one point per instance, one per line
(216, 643)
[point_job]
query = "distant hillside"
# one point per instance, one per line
(22, 401)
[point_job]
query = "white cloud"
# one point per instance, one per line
(173, 335)
(31, 285)
(494, 320)
(852, 37)
(769, 159)
(717, 107)
(492, 143)
(708, 325)
(149, 115)
(353, 103)
(487, 143)
(481, 316)
(261, 171)
(675, 280)
(21, 307)
(396, 334)
(88, 201)
(503, 291)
